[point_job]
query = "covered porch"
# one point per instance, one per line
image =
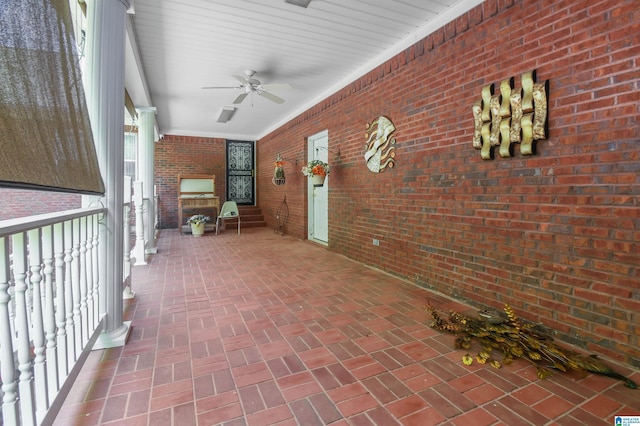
(263, 329)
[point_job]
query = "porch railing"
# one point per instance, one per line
(49, 309)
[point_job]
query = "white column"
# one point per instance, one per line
(105, 98)
(145, 172)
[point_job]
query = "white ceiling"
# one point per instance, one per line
(176, 47)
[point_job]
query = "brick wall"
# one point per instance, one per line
(21, 203)
(556, 235)
(176, 155)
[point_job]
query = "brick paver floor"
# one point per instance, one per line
(261, 329)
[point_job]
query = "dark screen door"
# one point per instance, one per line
(240, 172)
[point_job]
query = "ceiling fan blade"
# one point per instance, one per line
(271, 97)
(271, 86)
(240, 97)
(222, 87)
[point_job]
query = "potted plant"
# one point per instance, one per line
(197, 222)
(317, 170)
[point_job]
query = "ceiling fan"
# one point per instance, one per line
(249, 84)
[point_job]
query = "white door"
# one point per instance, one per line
(318, 145)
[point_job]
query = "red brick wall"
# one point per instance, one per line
(556, 235)
(176, 155)
(21, 203)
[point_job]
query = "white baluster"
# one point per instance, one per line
(139, 248)
(68, 294)
(89, 261)
(61, 320)
(96, 271)
(83, 282)
(156, 203)
(49, 312)
(75, 281)
(37, 326)
(12, 313)
(10, 409)
(28, 295)
(126, 273)
(25, 385)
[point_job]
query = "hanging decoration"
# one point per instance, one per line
(513, 116)
(380, 150)
(317, 171)
(278, 173)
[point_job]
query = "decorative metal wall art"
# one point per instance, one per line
(282, 217)
(513, 116)
(511, 337)
(380, 150)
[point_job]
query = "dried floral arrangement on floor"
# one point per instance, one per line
(515, 338)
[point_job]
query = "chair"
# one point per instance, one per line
(228, 211)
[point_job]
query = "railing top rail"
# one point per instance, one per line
(23, 224)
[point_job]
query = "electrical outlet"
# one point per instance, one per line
(376, 242)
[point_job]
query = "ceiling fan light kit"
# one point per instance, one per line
(301, 3)
(226, 114)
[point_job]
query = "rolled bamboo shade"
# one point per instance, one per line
(46, 140)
